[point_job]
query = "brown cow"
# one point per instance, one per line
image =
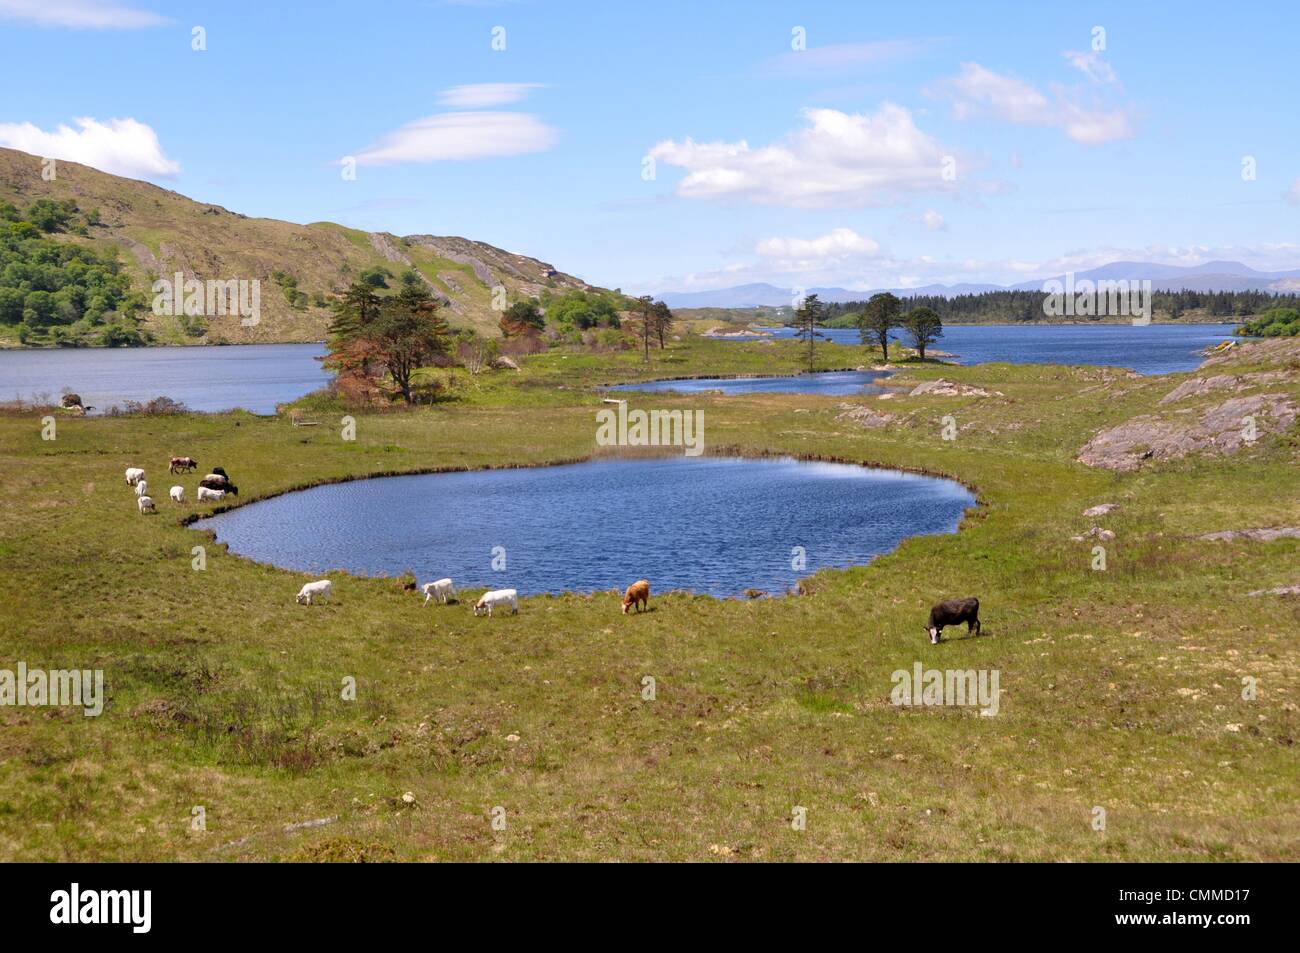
(638, 594)
(183, 464)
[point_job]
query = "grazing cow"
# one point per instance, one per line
(215, 481)
(442, 590)
(146, 504)
(954, 612)
(177, 493)
(314, 590)
(638, 594)
(141, 487)
(183, 464)
(497, 597)
(207, 493)
(134, 475)
(219, 471)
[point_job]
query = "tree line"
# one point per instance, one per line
(1011, 307)
(876, 317)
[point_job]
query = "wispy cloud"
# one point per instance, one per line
(836, 245)
(482, 95)
(120, 146)
(80, 14)
(460, 136)
(847, 57)
(883, 269)
(837, 158)
(977, 91)
(933, 221)
(1092, 66)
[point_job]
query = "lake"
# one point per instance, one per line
(1149, 349)
(259, 376)
(829, 384)
(712, 525)
(253, 376)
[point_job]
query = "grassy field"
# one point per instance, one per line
(1121, 689)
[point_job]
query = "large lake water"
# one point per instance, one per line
(253, 376)
(259, 376)
(1149, 349)
(712, 525)
(1153, 349)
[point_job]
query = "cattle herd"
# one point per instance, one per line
(215, 485)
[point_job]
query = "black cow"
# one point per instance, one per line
(215, 482)
(954, 612)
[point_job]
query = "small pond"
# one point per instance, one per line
(715, 525)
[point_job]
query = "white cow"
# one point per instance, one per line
(177, 493)
(320, 589)
(206, 494)
(442, 590)
(141, 487)
(134, 475)
(498, 597)
(145, 503)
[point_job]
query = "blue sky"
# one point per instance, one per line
(802, 167)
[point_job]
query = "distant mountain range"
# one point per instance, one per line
(1211, 276)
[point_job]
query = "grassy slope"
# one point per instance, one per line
(1117, 686)
(158, 232)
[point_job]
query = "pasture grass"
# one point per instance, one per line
(1121, 689)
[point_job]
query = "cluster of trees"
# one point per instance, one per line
(581, 310)
(655, 324)
(884, 312)
(1010, 307)
(590, 317)
(877, 317)
(376, 344)
(58, 292)
(1274, 323)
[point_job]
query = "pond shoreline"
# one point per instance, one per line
(977, 508)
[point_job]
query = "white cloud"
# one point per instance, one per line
(1293, 193)
(839, 243)
(120, 146)
(80, 14)
(481, 95)
(841, 57)
(837, 159)
(1092, 66)
(461, 135)
(979, 91)
(886, 270)
(934, 221)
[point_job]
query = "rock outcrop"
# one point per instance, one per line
(1219, 430)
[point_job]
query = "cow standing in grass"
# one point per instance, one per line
(954, 612)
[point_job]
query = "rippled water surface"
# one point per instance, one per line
(715, 525)
(253, 376)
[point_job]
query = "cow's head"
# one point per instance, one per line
(300, 598)
(479, 606)
(934, 635)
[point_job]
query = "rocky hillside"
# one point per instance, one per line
(1235, 400)
(159, 232)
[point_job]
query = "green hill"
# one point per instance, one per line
(155, 233)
